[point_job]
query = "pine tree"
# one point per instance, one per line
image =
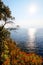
(5, 13)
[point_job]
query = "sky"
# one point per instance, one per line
(27, 13)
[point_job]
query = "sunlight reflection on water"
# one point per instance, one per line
(31, 42)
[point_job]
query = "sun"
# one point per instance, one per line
(32, 9)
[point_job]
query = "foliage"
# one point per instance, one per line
(14, 56)
(4, 11)
(5, 14)
(4, 33)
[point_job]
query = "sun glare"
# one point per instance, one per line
(32, 9)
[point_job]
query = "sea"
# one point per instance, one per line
(29, 40)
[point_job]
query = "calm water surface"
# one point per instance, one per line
(29, 40)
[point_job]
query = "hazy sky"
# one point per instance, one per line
(28, 13)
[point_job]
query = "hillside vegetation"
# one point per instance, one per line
(12, 55)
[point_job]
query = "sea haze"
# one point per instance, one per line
(29, 42)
